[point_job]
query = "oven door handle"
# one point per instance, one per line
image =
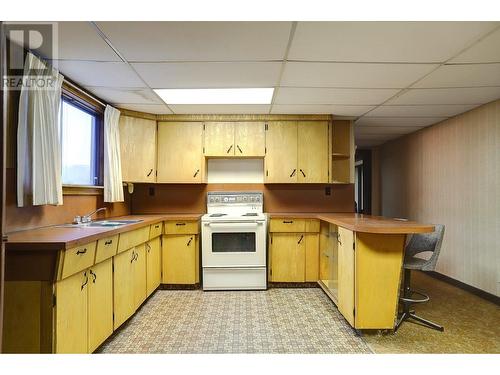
(232, 224)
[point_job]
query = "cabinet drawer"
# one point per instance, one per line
(181, 227)
(106, 248)
(133, 238)
(78, 259)
(155, 230)
(287, 225)
(312, 225)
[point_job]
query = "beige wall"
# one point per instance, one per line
(449, 173)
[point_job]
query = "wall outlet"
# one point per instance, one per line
(152, 191)
(328, 190)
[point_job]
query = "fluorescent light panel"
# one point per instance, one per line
(216, 96)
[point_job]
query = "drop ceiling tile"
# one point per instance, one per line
(445, 110)
(484, 51)
(220, 108)
(472, 95)
(384, 41)
(289, 95)
(105, 74)
(462, 76)
(338, 110)
(209, 75)
(353, 75)
(126, 95)
(379, 130)
(198, 41)
(398, 121)
(157, 109)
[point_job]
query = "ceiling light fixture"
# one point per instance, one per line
(216, 96)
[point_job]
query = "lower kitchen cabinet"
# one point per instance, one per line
(100, 304)
(346, 280)
(288, 257)
(84, 309)
(139, 275)
(71, 314)
(123, 280)
(312, 257)
(153, 265)
(180, 259)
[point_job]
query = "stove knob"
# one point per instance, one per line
(226, 199)
(212, 199)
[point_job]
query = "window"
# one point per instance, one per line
(81, 144)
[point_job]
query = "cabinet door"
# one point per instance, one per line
(281, 156)
(123, 279)
(139, 282)
(153, 260)
(312, 152)
(249, 139)
(100, 302)
(138, 149)
(71, 314)
(312, 256)
(179, 259)
(288, 257)
(219, 139)
(346, 274)
(180, 156)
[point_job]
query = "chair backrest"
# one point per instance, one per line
(422, 242)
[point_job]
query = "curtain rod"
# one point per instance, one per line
(84, 92)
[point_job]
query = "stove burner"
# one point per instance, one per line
(217, 215)
(250, 214)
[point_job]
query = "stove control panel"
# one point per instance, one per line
(230, 198)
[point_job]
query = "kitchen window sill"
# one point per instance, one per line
(82, 190)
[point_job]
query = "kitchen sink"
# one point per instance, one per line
(101, 223)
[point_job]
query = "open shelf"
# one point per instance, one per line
(338, 155)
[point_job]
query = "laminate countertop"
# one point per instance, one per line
(60, 237)
(361, 223)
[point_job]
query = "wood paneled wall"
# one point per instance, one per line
(449, 173)
(191, 198)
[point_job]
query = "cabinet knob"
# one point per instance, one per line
(229, 149)
(196, 173)
(108, 242)
(189, 242)
(293, 172)
(287, 221)
(81, 251)
(239, 149)
(300, 239)
(303, 174)
(86, 280)
(94, 276)
(150, 171)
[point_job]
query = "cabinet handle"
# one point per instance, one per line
(303, 174)
(288, 222)
(150, 171)
(196, 173)
(239, 149)
(94, 276)
(229, 149)
(157, 226)
(133, 257)
(86, 280)
(81, 251)
(338, 239)
(148, 246)
(189, 242)
(300, 239)
(293, 172)
(108, 242)
(180, 224)
(136, 256)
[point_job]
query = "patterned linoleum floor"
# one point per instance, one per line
(272, 321)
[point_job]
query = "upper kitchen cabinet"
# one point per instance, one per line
(138, 149)
(180, 158)
(297, 151)
(342, 152)
(234, 139)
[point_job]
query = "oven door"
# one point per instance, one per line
(234, 244)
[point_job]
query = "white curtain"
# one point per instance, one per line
(113, 188)
(38, 143)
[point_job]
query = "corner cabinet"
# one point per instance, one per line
(180, 157)
(297, 152)
(138, 149)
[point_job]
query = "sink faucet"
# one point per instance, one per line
(87, 218)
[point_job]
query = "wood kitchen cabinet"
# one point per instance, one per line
(346, 274)
(180, 259)
(138, 149)
(139, 275)
(297, 152)
(180, 158)
(294, 250)
(234, 139)
(153, 268)
(123, 279)
(84, 309)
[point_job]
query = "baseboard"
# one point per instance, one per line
(469, 288)
(292, 285)
(180, 286)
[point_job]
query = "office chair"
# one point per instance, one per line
(419, 243)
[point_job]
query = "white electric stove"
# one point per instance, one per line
(234, 241)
